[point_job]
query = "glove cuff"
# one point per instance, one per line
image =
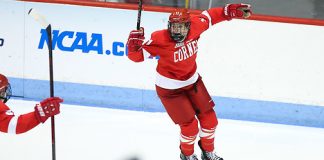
(226, 12)
(40, 114)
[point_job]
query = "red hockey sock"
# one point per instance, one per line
(188, 136)
(208, 122)
(207, 144)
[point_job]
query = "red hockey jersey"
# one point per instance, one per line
(177, 63)
(9, 123)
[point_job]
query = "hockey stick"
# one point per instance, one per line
(139, 14)
(41, 19)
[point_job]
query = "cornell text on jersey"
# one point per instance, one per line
(186, 51)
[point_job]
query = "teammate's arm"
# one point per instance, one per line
(10, 123)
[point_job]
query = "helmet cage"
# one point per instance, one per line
(5, 93)
(178, 30)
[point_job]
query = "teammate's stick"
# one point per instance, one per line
(139, 14)
(41, 19)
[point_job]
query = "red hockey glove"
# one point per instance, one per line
(237, 11)
(135, 40)
(47, 108)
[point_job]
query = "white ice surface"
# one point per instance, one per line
(90, 133)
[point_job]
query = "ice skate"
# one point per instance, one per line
(208, 155)
(191, 157)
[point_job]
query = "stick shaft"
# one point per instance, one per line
(41, 19)
(51, 81)
(139, 14)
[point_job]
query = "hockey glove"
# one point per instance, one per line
(135, 40)
(47, 108)
(237, 11)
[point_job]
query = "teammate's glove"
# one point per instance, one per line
(47, 108)
(135, 40)
(237, 11)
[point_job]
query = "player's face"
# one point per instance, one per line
(3, 94)
(179, 31)
(179, 28)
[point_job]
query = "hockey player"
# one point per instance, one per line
(9, 123)
(178, 85)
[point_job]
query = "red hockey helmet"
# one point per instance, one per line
(5, 89)
(179, 24)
